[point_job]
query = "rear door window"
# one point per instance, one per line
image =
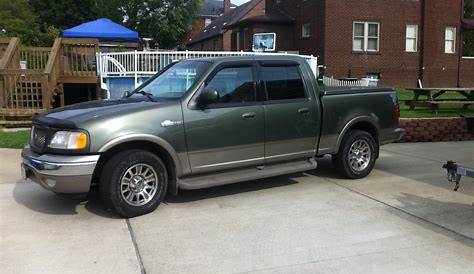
(283, 83)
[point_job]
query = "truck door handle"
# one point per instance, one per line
(303, 110)
(248, 115)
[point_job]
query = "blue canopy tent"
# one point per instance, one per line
(103, 29)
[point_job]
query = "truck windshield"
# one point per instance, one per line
(175, 81)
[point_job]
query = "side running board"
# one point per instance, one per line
(245, 174)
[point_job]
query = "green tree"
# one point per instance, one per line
(165, 21)
(64, 14)
(468, 36)
(469, 9)
(18, 19)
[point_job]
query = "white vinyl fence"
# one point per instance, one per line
(146, 63)
(364, 82)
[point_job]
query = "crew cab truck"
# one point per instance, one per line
(205, 122)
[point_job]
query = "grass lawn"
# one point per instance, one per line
(445, 110)
(14, 139)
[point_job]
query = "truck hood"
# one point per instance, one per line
(71, 116)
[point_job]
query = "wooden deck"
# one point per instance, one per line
(33, 78)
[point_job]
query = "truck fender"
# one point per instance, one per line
(149, 138)
(372, 120)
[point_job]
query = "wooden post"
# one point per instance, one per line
(2, 93)
(10, 53)
(46, 92)
(61, 95)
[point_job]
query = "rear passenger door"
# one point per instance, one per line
(291, 114)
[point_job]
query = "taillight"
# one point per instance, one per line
(396, 112)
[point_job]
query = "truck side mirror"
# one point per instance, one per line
(208, 96)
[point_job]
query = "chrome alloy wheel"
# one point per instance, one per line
(139, 184)
(359, 155)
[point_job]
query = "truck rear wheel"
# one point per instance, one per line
(133, 182)
(357, 154)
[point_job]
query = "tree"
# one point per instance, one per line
(18, 19)
(64, 14)
(166, 21)
(468, 36)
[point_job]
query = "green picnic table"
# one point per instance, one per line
(431, 97)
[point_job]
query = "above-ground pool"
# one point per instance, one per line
(116, 86)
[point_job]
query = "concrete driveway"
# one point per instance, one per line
(404, 218)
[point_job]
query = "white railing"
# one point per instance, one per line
(146, 63)
(364, 82)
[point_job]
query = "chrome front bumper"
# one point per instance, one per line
(59, 173)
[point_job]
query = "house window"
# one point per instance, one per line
(411, 43)
(306, 30)
(207, 22)
(450, 40)
(366, 36)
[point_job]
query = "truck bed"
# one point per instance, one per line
(373, 109)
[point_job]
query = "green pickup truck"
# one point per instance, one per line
(205, 122)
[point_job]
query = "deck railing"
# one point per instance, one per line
(4, 41)
(79, 57)
(34, 57)
(30, 77)
(10, 53)
(146, 63)
(23, 90)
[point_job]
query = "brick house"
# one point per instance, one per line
(217, 36)
(211, 10)
(399, 41)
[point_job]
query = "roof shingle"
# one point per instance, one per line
(217, 26)
(213, 8)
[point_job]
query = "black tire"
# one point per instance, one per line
(115, 169)
(354, 169)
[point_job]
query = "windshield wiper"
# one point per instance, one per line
(148, 95)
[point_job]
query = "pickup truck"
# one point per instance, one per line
(200, 123)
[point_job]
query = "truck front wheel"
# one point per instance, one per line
(133, 182)
(357, 154)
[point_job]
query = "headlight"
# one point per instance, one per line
(69, 140)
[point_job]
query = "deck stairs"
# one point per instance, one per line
(32, 79)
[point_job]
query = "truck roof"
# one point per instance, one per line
(260, 57)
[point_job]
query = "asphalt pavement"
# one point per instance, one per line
(403, 218)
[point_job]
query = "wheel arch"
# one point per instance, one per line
(365, 123)
(146, 142)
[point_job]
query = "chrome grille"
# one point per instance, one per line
(39, 138)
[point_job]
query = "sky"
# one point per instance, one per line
(239, 2)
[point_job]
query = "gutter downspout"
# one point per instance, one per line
(460, 44)
(422, 42)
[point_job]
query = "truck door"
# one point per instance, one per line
(229, 133)
(291, 112)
